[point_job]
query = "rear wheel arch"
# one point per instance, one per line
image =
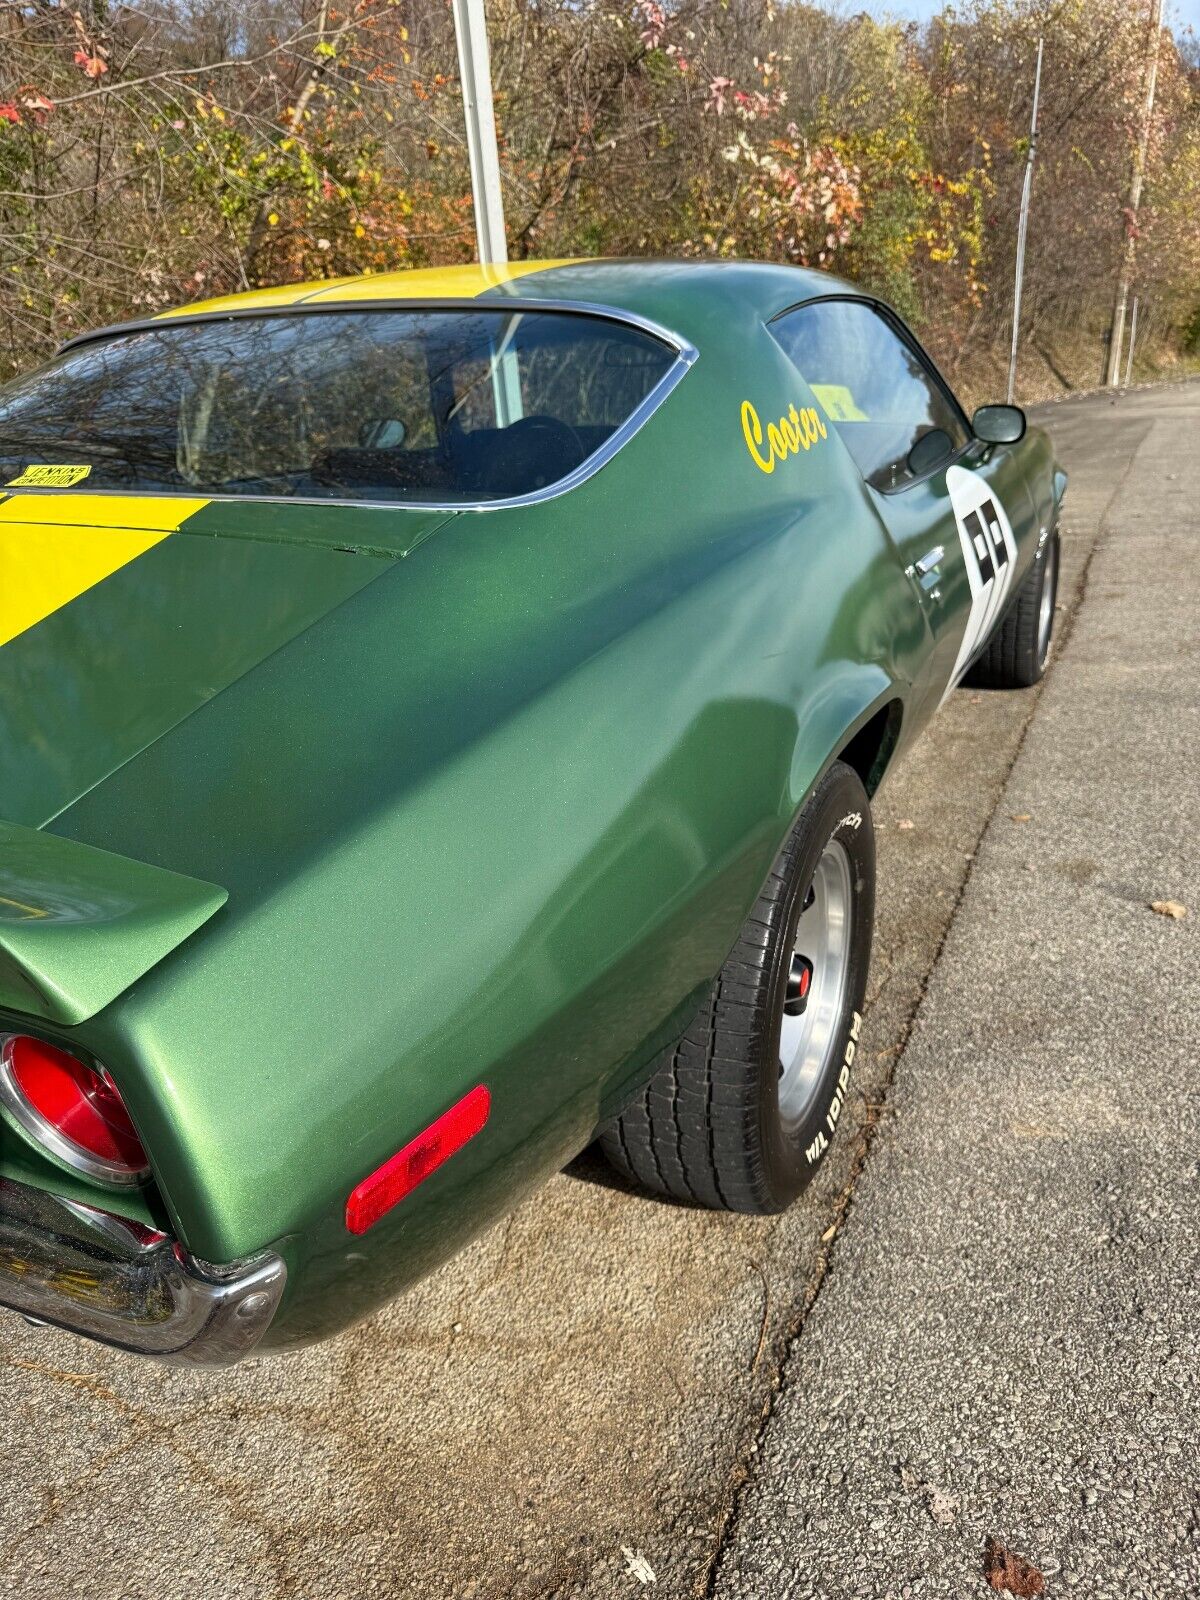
(868, 741)
(716, 1124)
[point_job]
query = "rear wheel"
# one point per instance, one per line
(1018, 651)
(740, 1113)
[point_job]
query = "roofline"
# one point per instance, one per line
(311, 308)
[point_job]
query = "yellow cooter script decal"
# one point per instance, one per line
(54, 546)
(795, 431)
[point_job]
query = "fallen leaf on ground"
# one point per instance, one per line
(639, 1568)
(906, 823)
(1169, 908)
(1021, 816)
(1010, 1573)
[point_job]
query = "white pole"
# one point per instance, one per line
(1023, 227)
(1132, 342)
(1136, 180)
(475, 70)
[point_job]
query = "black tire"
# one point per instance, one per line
(708, 1128)
(1015, 656)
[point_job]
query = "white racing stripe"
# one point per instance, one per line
(989, 551)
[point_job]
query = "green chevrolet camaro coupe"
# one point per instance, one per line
(439, 717)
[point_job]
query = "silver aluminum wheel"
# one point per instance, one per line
(1046, 607)
(813, 1009)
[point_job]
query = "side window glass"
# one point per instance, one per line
(892, 414)
(595, 384)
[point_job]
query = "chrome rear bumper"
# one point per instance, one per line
(103, 1276)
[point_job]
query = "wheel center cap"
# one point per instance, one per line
(798, 985)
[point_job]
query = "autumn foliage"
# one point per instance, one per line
(153, 153)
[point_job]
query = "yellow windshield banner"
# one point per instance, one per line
(53, 547)
(838, 403)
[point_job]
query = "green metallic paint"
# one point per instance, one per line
(491, 812)
(99, 680)
(79, 925)
(386, 532)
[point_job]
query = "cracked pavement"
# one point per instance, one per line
(600, 1373)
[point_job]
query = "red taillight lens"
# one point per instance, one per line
(401, 1173)
(71, 1110)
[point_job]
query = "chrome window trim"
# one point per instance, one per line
(685, 355)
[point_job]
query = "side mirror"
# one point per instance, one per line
(999, 424)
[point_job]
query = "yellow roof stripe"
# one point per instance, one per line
(433, 283)
(420, 283)
(285, 294)
(53, 547)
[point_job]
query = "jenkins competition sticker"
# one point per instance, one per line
(49, 477)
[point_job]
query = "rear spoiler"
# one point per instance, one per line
(79, 925)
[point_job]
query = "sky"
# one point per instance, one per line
(1179, 13)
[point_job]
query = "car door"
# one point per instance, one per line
(957, 511)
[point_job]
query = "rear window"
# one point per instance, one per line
(426, 406)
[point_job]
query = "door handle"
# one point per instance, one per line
(925, 572)
(930, 561)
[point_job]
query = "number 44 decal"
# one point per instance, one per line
(989, 551)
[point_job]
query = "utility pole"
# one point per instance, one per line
(1132, 342)
(475, 71)
(1023, 226)
(1137, 178)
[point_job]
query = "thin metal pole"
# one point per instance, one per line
(1132, 342)
(475, 71)
(1137, 177)
(1023, 226)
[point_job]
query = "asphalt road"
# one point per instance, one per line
(1007, 1346)
(748, 1407)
